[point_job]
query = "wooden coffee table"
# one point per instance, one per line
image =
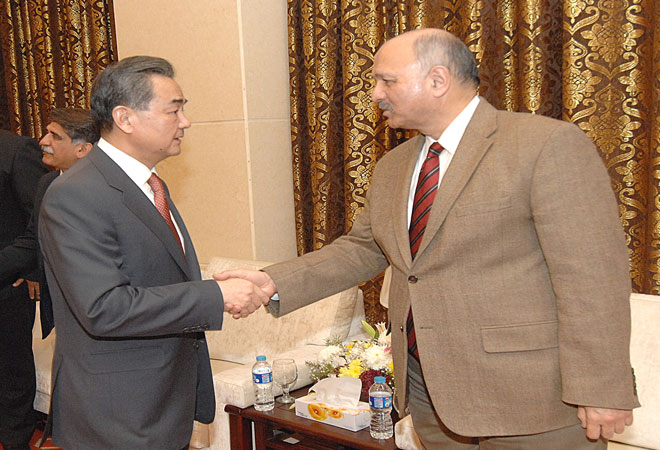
(282, 429)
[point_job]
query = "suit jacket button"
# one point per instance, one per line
(401, 328)
(412, 279)
(196, 345)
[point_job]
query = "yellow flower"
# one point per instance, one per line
(354, 369)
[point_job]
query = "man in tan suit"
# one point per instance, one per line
(518, 284)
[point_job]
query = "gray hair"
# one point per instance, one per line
(445, 49)
(126, 83)
(78, 124)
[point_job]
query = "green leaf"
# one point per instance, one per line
(369, 329)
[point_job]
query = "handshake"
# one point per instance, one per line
(244, 291)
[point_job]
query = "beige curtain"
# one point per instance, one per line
(51, 52)
(592, 62)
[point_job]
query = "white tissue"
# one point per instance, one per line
(343, 392)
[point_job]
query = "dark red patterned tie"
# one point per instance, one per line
(160, 200)
(427, 186)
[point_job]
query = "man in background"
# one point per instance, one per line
(509, 298)
(20, 170)
(70, 135)
(131, 367)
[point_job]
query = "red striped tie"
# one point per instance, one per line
(427, 186)
(160, 200)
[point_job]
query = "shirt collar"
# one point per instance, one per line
(452, 136)
(135, 170)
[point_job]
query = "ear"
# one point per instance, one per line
(440, 80)
(122, 116)
(85, 147)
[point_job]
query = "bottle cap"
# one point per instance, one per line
(261, 358)
(379, 379)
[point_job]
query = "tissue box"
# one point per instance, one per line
(352, 419)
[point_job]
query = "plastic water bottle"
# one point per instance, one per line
(262, 377)
(380, 399)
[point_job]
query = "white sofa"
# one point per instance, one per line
(645, 358)
(299, 335)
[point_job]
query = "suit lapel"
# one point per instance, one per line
(191, 257)
(404, 176)
(138, 203)
(472, 148)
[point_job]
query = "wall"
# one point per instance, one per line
(233, 180)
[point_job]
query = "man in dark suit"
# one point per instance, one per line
(509, 298)
(70, 135)
(131, 367)
(20, 170)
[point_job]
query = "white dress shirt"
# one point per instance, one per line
(449, 140)
(137, 172)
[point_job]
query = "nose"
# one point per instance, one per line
(377, 93)
(45, 140)
(183, 121)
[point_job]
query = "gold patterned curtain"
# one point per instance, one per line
(592, 62)
(51, 52)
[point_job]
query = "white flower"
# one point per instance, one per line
(377, 357)
(332, 354)
(384, 337)
(330, 351)
(354, 357)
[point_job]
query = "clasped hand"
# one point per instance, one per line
(244, 291)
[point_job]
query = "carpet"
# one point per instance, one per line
(48, 445)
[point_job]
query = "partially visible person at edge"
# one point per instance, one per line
(70, 135)
(131, 367)
(20, 171)
(509, 299)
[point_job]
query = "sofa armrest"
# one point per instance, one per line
(645, 359)
(234, 387)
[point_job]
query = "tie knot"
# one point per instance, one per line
(155, 183)
(435, 149)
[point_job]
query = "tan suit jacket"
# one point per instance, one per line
(520, 288)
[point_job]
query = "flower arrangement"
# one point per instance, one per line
(362, 358)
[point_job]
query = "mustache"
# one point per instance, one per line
(47, 149)
(384, 106)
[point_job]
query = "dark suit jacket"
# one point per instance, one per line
(23, 257)
(20, 170)
(131, 367)
(520, 289)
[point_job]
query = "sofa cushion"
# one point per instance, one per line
(645, 359)
(240, 340)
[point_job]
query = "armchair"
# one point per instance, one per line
(300, 335)
(645, 358)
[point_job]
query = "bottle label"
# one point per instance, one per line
(380, 402)
(262, 378)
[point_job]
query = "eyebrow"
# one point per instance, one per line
(381, 75)
(180, 101)
(54, 133)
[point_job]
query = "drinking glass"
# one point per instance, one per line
(285, 373)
